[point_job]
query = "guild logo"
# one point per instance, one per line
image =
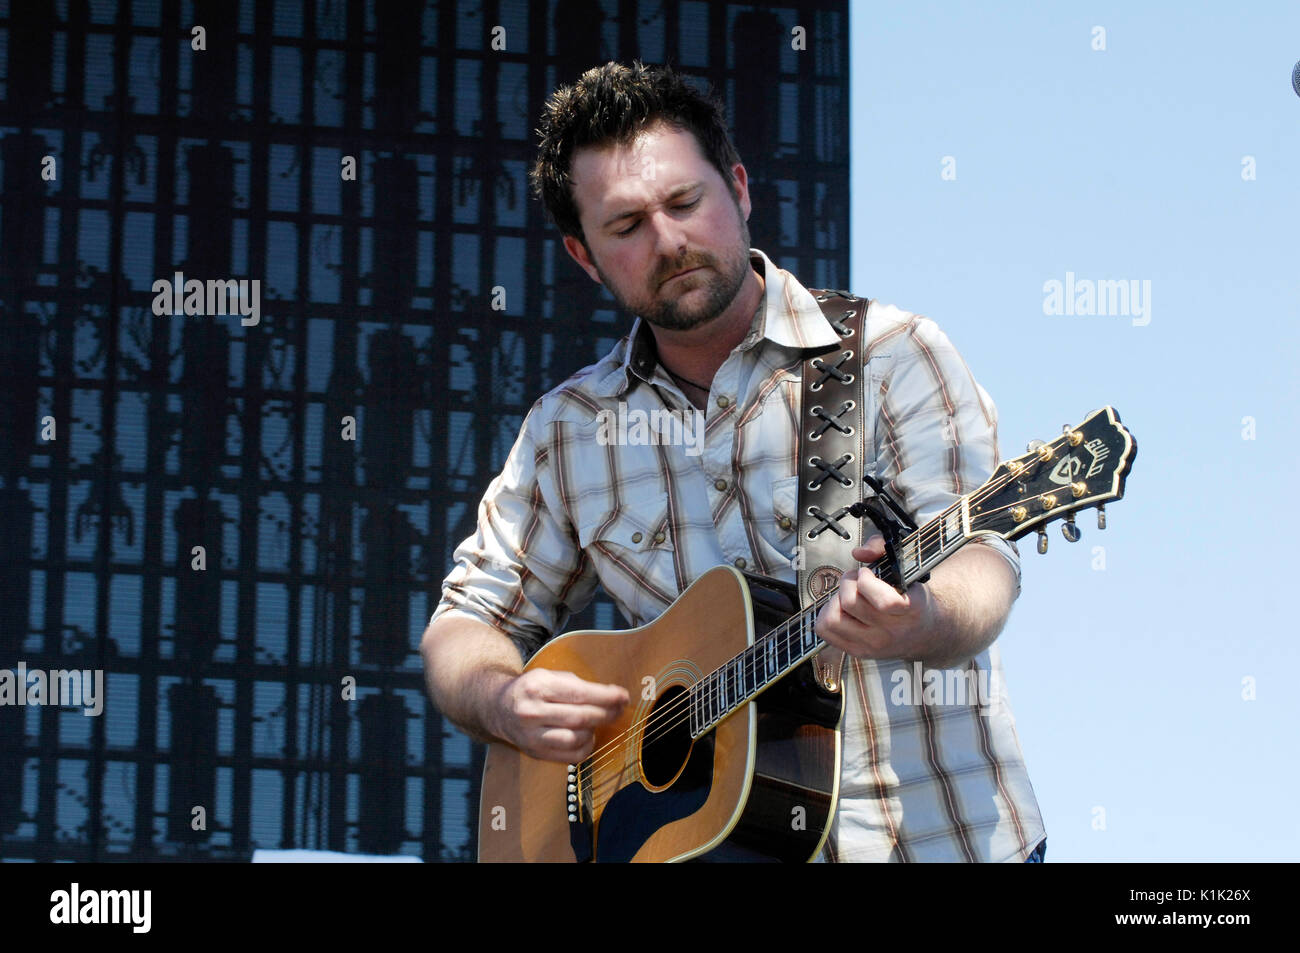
(822, 580)
(1066, 471)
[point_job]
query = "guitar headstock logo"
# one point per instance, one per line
(1068, 469)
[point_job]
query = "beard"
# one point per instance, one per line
(663, 306)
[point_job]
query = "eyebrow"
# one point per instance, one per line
(675, 193)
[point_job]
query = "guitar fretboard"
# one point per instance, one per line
(790, 644)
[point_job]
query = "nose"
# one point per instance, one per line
(669, 233)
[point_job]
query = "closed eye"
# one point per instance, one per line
(686, 207)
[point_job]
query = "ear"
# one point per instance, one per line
(740, 185)
(578, 253)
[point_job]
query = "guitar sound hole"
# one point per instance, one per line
(667, 740)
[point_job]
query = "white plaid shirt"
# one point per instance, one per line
(923, 778)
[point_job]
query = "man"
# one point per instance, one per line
(638, 173)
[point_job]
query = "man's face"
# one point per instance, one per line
(656, 208)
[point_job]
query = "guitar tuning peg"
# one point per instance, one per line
(1101, 516)
(1033, 445)
(1069, 530)
(1042, 540)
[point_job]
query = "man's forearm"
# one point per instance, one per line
(466, 665)
(972, 593)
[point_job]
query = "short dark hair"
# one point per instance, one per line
(611, 105)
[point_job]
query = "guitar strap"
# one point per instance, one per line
(833, 452)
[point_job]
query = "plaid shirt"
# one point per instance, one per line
(924, 777)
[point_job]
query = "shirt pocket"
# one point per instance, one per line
(785, 506)
(632, 551)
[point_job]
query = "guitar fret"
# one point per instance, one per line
(951, 527)
(909, 560)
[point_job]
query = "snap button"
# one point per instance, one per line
(719, 484)
(659, 537)
(636, 537)
(784, 522)
(723, 402)
(740, 563)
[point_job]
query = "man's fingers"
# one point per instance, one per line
(871, 550)
(862, 596)
(849, 634)
(570, 716)
(570, 689)
(564, 744)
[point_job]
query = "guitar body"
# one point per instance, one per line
(730, 747)
(760, 786)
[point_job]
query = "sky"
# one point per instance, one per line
(997, 148)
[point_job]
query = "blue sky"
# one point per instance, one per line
(1128, 162)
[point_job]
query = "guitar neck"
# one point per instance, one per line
(1086, 466)
(790, 644)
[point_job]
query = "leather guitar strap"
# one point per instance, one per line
(832, 454)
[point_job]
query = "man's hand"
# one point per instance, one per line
(553, 715)
(869, 619)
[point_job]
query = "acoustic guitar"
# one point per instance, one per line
(730, 747)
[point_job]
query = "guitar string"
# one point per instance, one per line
(666, 719)
(663, 726)
(661, 719)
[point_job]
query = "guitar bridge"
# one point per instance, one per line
(577, 803)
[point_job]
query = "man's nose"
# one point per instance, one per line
(670, 234)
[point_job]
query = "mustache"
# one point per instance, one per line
(692, 261)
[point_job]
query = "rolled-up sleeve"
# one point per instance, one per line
(936, 434)
(522, 570)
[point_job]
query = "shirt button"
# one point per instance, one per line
(636, 537)
(784, 522)
(659, 537)
(719, 484)
(723, 402)
(740, 563)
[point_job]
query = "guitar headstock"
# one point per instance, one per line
(1086, 466)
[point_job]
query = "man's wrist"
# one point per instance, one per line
(492, 706)
(937, 635)
(970, 599)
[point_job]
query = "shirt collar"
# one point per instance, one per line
(788, 316)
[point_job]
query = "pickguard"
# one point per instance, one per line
(634, 814)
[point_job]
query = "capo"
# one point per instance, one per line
(892, 525)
